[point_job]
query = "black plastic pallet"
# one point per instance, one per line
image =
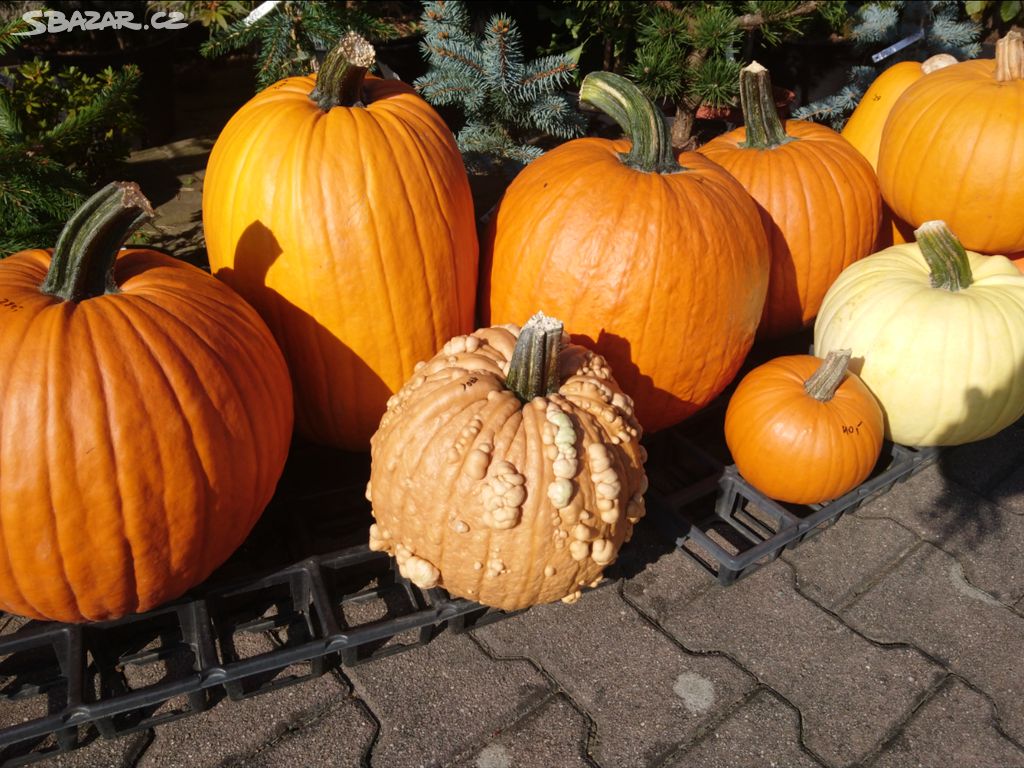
(731, 529)
(304, 595)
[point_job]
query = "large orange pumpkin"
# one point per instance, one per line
(952, 150)
(818, 199)
(659, 265)
(145, 416)
(509, 469)
(804, 430)
(339, 207)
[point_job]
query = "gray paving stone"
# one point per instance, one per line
(1009, 494)
(840, 561)
(338, 738)
(983, 465)
(435, 702)
(553, 735)
(850, 692)
(927, 602)
(644, 694)
(233, 730)
(953, 729)
(106, 753)
(986, 538)
(667, 582)
(763, 733)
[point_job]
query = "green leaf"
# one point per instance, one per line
(975, 8)
(1009, 10)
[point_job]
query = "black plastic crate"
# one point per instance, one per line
(728, 526)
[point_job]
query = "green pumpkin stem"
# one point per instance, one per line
(825, 381)
(639, 118)
(1010, 57)
(533, 370)
(764, 129)
(946, 257)
(339, 83)
(82, 265)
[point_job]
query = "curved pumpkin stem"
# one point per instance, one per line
(533, 370)
(946, 257)
(82, 265)
(639, 118)
(825, 381)
(1010, 57)
(339, 83)
(764, 129)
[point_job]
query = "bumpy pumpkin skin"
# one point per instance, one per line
(950, 150)
(819, 203)
(141, 435)
(947, 368)
(507, 504)
(794, 448)
(664, 275)
(352, 233)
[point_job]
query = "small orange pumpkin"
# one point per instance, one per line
(818, 200)
(951, 150)
(804, 431)
(508, 470)
(657, 263)
(145, 417)
(339, 207)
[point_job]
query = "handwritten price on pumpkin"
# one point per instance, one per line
(852, 430)
(12, 306)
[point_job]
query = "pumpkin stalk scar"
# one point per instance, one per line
(1010, 57)
(533, 370)
(639, 118)
(340, 80)
(945, 255)
(824, 382)
(82, 266)
(764, 129)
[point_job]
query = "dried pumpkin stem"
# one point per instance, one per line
(639, 118)
(339, 83)
(825, 381)
(764, 129)
(946, 257)
(82, 265)
(533, 369)
(1010, 57)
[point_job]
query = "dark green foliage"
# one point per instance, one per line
(689, 51)
(292, 34)
(508, 102)
(880, 24)
(60, 132)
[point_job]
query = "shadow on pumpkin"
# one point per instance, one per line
(311, 348)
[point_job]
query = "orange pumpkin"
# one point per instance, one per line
(802, 430)
(818, 200)
(339, 207)
(660, 266)
(950, 150)
(864, 128)
(145, 417)
(508, 470)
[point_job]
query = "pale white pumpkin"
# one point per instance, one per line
(939, 332)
